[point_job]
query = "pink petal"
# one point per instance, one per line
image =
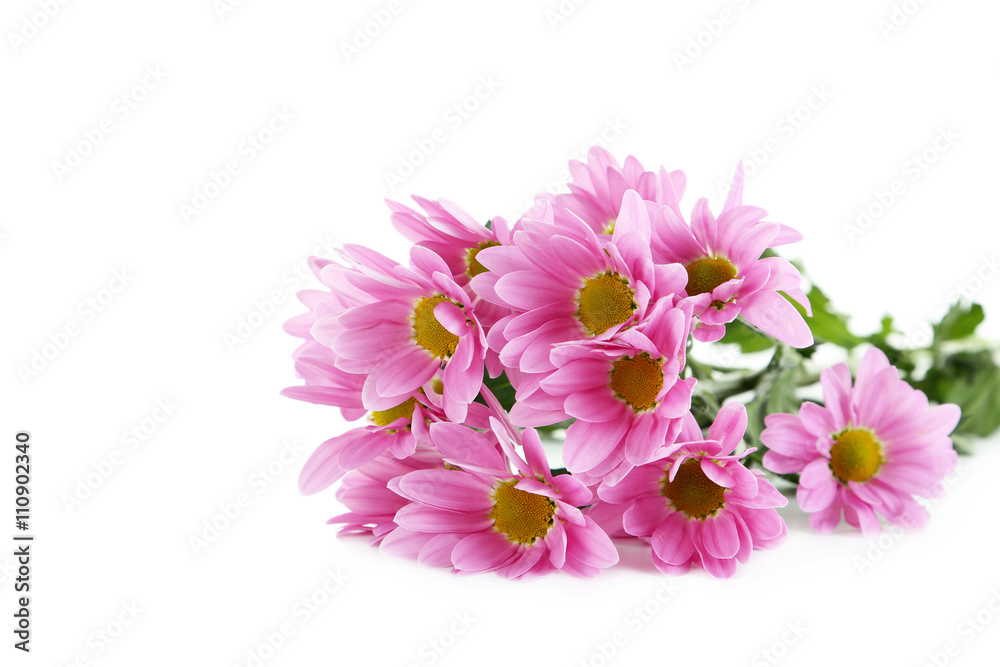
(836, 383)
(596, 405)
(645, 515)
(482, 552)
(404, 543)
(817, 421)
(729, 426)
(591, 545)
(401, 375)
(451, 317)
(774, 315)
(528, 290)
(817, 486)
(764, 524)
(588, 444)
(672, 541)
(523, 562)
(436, 552)
(633, 217)
(720, 536)
(321, 468)
(577, 375)
(556, 541)
(572, 491)
(446, 489)
(432, 520)
(825, 520)
(464, 447)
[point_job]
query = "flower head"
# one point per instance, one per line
(875, 446)
(726, 276)
(698, 504)
(493, 510)
(453, 235)
(568, 284)
(416, 322)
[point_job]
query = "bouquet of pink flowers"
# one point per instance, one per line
(578, 322)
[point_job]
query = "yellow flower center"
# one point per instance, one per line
(692, 492)
(474, 267)
(605, 301)
(609, 226)
(428, 332)
(637, 380)
(523, 517)
(855, 456)
(706, 274)
(386, 417)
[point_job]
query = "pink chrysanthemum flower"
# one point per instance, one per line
(450, 232)
(417, 321)
(873, 447)
(626, 395)
(598, 186)
(571, 285)
(698, 504)
(485, 517)
(726, 276)
(371, 505)
(457, 238)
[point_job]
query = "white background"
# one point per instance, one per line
(879, 96)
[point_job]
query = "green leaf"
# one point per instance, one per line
(749, 339)
(827, 325)
(782, 397)
(959, 322)
(971, 380)
(980, 403)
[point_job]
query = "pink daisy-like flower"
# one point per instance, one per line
(457, 238)
(598, 186)
(726, 276)
(698, 504)
(417, 321)
(566, 284)
(450, 232)
(626, 395)
(485, 517)
(873, 447)
(370, 503)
